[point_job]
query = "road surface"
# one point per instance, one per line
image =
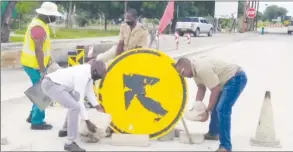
(19, 80)
(267, 59)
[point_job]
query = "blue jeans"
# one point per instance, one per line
(37, 115)
(220, 123)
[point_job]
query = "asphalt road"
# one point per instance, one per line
(267, 60)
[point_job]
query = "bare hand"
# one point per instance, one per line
(43, 74)
(204, 116)
(100, 108)
(92, 127)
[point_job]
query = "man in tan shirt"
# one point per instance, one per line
(226, 81)
(132, 35)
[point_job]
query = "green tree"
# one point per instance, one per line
(274, 11)
(260, 16)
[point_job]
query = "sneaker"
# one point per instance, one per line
(43, 126)
(207, 136)
(73, 147)
(62, 133)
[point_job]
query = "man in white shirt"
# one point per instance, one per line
(69, 86)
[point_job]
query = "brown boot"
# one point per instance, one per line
(207, 136)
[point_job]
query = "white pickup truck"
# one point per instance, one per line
(290, 28)
(194, 25)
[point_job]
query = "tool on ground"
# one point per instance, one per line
(187, 131)
(265, 133)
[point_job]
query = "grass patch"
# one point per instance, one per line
(62, 33)
(16, 38)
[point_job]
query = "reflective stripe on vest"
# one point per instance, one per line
(28, 57)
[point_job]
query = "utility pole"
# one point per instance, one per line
(177, 14)
(69, 16)
(125, 6)
(253, 20)
(256, 19)
(244, 15)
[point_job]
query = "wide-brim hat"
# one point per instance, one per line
(49, 9)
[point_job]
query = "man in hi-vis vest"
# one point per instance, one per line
(35, 55)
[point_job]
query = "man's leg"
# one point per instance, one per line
(213, 133)
(151, 42)
(37, 116)
(63, 132)
(230, 94)
(60, 94)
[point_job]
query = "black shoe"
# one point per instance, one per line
(109, 132)
(207, 136)
(62, 133)
(43, 126)
(73, 147)
(28, 120)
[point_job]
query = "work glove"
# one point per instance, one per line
(196, 113)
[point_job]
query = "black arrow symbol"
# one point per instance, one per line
(136, 83)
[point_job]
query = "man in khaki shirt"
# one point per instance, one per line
(132, 35)
(226, 81)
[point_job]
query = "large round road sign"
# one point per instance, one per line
(251, 13)
(143, 93)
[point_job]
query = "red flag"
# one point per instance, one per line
(167, 16)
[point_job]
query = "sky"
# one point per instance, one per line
(227, 8)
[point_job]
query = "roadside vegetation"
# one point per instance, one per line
(63, 33)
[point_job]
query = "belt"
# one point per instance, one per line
(47, 78)
(66, 88)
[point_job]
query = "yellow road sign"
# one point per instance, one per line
(143, 92)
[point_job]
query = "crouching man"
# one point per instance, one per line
(68, 87)
(226, 81)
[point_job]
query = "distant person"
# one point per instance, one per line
(153, 32)
(226, 82)
(35, 55)
(132, 35)
(69, 86)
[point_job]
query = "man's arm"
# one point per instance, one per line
(90, 94)
(215, 91)
(38, 35)
(80, 87)
(120, 45)
(201, 90)
(211, 81)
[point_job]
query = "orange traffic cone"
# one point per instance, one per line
(265, 133)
